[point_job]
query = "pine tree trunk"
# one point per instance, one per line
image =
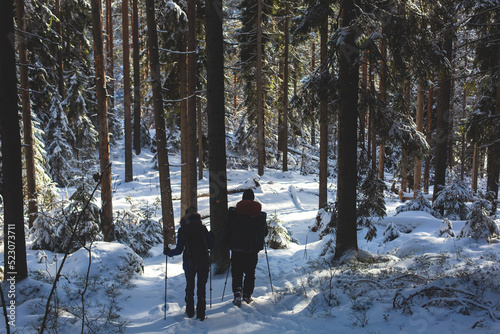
(12, 192)
(184, 128)
(200, 141)
(137, 77)
(475, 167)
(494, 149)
(323, 122)
(216, 131)
(346, 241)
(285, 89)
(161, 139)
(192, 180)
(129, 176)
(102, 119)
(313, 68)
(428, 137)
(110, 61)
(420, 127)
(383, 93)
(261, 143)
(29, 155)
(442, 123)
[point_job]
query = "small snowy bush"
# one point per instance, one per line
(278, 237)
(63, 230)
(140, 236)
(480, 224)
(446, 229)
(452, 199)
(391, 232)
(420, 203)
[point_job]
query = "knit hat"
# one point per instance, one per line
(248, 195)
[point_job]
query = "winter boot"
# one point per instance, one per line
(237, 298)
(190, 307)
(248, 299)
(200, 309)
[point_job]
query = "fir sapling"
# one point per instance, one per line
(480, 224)
(391, 232)
(453, 198)
(446, 229)
(278, 236)
(419, 203)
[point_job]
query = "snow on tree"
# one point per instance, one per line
(420, 203)
(59, 137)
(452, 199)
(446, 229)
(391, 232)
(480, 224)
(278, 237)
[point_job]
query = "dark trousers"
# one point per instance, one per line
(243, 264)
(201, 288)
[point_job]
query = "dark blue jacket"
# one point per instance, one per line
(181, 243)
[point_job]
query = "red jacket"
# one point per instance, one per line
(249, 208)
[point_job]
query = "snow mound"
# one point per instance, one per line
(109, 261)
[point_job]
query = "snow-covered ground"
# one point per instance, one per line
(416, 283)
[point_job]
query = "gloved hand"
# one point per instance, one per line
(166, 249)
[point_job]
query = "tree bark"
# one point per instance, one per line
(261, 140)
(192, 181)
(161, 139)
(102, 119)
(475, 167)
(29, 155)
(129, 175)
(182, 59)
(346, 241)
(12, 192)
(383, 93)
(216, 131)
(285, 88)
(428, 137)
(323, 121)
(110, 61)
(137, 77)
(417, 174)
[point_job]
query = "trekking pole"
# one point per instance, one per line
(225, 283)
(165, 306)
(268, 269)
(210, 282)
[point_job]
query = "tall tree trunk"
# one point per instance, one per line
(404, 155)
(428, 137)
(323, 119)
(364, 96)
(442, 122)
(12, 192)
(475, 167)
(110, 61)
(182, 59)
(60, 64)
(102, 119)
(313, 68)
(285, 88)
(420, 127)
(137, 77)
(216, 130)
(29, 155)
(373, 137)
(161, 137)
(192, 185)
(346, 241)
(200, 141)
(494, 148)
(383, 93)
(261, 140)
(129, 176)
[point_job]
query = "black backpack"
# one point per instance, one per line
(246, 233)
(196, 248)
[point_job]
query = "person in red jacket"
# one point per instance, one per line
(246, 231)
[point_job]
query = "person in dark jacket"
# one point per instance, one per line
(194, 240)
(245, 234)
